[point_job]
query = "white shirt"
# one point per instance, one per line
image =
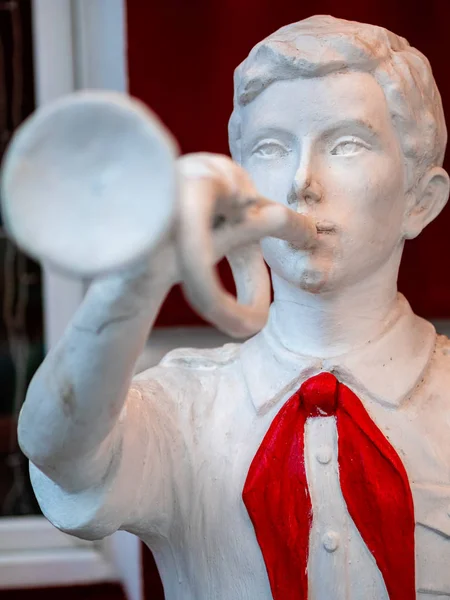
(192, 425)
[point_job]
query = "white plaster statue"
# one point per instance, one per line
(313, 460)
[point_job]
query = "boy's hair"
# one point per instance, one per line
(321, 45)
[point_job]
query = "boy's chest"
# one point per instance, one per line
(417, 431)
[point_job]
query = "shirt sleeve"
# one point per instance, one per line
(135, 492)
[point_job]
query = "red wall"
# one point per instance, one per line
(182, 54)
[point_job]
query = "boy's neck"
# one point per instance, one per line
(333, 323)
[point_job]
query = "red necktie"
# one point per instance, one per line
(373, 480)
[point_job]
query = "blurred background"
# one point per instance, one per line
(178, 56)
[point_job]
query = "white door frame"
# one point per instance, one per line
(77, 44)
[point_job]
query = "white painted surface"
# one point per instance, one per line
(55, 76)
(100, 44)
(43, 568)
(166, 339)
(35, 554)
(188, 429)
(124, 551)
(34, 533)
(336, 546)
(52, 49)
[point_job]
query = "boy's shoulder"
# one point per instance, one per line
(201, 358)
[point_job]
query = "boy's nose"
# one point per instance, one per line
(305, 188)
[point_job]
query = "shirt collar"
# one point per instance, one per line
(386, 369)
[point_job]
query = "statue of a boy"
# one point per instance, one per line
(312, 461)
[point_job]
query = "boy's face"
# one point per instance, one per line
(327, 148)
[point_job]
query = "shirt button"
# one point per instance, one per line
(323, 455)
(330, 541)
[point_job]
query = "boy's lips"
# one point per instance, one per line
(326, 227)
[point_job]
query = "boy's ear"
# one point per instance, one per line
(427, 201)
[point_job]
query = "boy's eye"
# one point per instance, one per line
(349, 147)
(270, 149)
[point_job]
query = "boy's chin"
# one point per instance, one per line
(306, 271)
(313, 278)
(314, 281)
